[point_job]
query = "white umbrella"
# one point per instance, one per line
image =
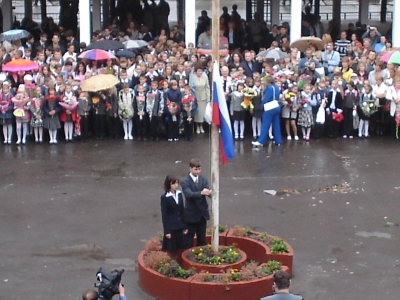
(135, 44)
(273, 54)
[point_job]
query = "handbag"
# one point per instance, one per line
(272, 104)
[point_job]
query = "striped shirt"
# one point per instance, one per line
(341, 46)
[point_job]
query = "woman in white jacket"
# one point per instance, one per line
(380, 92)
(394, 97)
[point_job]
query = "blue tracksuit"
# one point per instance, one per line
(271, 116)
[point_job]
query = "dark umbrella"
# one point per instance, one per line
(125, 53)
(106, 45)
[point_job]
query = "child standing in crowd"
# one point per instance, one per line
(36, 109)
(349, 108)
(173, 97)
(141, 115)
(305, 116)
(155, 109)
(22, 113)
(125, 110)
(83, 116)
(188, 108)
(68, 112)
(365, 108)
(6, 112)
(289, 111)
(237, 112)
(52, 110)
(257, 111)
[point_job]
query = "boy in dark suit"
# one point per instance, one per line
(195, 188)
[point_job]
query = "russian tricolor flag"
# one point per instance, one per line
(220, 117)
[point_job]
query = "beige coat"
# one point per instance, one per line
(202, 92)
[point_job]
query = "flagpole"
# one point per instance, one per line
(215, 147)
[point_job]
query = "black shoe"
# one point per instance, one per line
(71, 141)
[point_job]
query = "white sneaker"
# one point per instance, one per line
(289, 138)
(201, 130)
(170, 140)
(126, 137)
(130, 137)
(198, 130)
(271, 137)
(296, 138)
(256, 144)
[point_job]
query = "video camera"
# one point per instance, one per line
(108, 282)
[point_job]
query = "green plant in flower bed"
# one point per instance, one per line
(269, 268)
(276, 244)
(221, 229)
(279, 246)
(224, 255)
(174, 270)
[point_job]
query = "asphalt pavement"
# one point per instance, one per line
(69, 209)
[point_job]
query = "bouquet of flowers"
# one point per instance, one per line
(248, 95)
(368, 107)
(289, 98)
(141, 103)
(151, 98)
(21, 103)
(304, 102)
(124, 113)
(4, 106)
(96, 102)
(108, 106)
(187, 103)
(303, 80)
(69, 103)
(173, 109)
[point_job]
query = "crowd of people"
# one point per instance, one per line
(339, 89)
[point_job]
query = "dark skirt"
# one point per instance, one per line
(175, 243)
(257, 113)
(239, 115)
(4, 121)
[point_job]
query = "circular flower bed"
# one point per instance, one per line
(215, 277)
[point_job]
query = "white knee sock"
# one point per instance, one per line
(130, 127)
(361, 128)
(40, 131)
(366, 127)
(24, 131)
(303, 130)
(66, 130)
(54, 135)
(254, 126)
(5, 133)
(36, 131)
(236, 128)
(308, 131)
(241, 129)
(19, 133)
(125, 124)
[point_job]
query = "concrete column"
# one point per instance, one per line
(261, 9)
(295, 21)
(6, 7)
(96, 15)
(383, 10)
(190, 22)
(275, 17)
(396, 24)
(180, 9)
(28, 8)
(249, 10)
(84, 21)
(317, 7)
(106, 13)
(336, 10)
(363, 9)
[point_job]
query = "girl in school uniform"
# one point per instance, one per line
(37, 114)
(52, 110)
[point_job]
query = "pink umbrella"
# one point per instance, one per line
(387, 56)
(20, 64)
(96, 54)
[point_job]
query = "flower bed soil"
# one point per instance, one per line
(189, 261)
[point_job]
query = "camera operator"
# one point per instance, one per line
(281, 288)
(305, 62)
(373, 34)
(91, 294)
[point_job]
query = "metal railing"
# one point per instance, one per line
(352, 15)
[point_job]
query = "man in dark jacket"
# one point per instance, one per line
(249, 65)
(195, 189)
(281, 288)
